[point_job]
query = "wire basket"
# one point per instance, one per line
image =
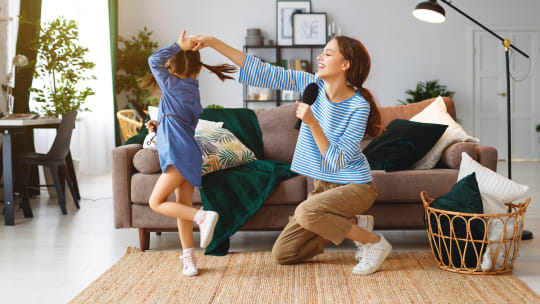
(129, 124)
(458, 248)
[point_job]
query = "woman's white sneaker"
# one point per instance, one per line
(207, 226)
(365, 222)
(189, 261)
(374, 255)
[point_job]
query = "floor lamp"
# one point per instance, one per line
(431, 11)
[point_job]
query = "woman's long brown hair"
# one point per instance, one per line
(358, 56)
(186, 63)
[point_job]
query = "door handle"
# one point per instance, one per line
(502, 94)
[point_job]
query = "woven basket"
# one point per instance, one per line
(441, 243)
(129, 123)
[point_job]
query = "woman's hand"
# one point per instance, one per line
(202, 41)
(186, 44)
(151, 125)
(303, 111)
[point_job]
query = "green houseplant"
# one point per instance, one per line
(132, 64)
(426, 90)
(60, 61)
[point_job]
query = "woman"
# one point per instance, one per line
(328, 149)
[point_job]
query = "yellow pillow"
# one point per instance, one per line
(221, 149)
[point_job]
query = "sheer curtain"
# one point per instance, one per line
(93, 137)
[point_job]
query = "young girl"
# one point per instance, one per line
(174, 75)
(328, 150)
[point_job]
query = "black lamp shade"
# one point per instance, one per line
(430, 11)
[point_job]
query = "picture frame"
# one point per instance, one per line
(310, 29)
(285, 9)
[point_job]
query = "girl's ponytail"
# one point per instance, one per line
(221, 70)
(149, 82)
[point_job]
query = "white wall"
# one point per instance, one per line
(404, 50)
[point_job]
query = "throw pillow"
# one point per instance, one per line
(496, 190)
(208, 125)
(436, 113)
(221, 150)
(463, 197)
(402, 144)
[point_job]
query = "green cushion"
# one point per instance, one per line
(402, 144)
(463, 197)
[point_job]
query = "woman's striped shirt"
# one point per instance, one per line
(344, 124)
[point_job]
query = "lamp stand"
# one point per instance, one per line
(527, 235)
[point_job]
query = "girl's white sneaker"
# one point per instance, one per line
(189, 261)
(207, 226)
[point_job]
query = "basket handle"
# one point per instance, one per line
(426, 200)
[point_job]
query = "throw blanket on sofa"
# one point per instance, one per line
(238, 193)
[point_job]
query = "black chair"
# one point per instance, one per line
(55, 160)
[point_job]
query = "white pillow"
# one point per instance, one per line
(496, 190)
(436, 113)
(208, 125)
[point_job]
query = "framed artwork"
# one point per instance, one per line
(285, 11)
(309, 29)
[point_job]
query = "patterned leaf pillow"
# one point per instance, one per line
(221, 149)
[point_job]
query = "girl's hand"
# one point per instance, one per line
(151, 125)
(201, 41)
(186, 44)
(303, 111)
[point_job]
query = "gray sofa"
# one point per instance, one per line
(398, 206)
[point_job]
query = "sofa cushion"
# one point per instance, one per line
(408, 111)
(147, 161)
(289, 192)
(436, 113)
(279, 134)
(402, 144)
(143, 184)
(405, 186)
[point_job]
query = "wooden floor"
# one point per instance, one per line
(51, 258)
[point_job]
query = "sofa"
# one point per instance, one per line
(397, 207)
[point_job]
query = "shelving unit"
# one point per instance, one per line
(278, 50)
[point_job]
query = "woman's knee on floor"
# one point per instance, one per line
(282, 255)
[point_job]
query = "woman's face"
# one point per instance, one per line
(331, 62)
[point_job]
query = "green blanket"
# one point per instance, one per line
(238, 193)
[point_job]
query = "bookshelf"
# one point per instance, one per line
(252, 95)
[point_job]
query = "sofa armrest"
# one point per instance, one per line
(485, 155)
(122, 170)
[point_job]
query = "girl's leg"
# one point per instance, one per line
(166, 184)
(184, 196)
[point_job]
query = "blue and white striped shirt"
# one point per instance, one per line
(344, 124)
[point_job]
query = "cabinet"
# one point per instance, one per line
(276, 55)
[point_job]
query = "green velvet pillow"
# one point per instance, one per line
(463, 197)
(402, 144)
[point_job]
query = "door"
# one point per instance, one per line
(490, 123)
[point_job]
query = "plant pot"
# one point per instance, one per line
(49, 180)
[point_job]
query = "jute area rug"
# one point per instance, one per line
(253, 277)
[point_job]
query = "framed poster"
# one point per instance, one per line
(309, 29)
(285, 11)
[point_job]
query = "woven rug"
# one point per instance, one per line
(253, 277)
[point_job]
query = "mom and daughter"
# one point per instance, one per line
(328, 147)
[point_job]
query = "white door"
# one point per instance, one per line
(490, 123)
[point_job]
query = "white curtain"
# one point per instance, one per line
(93, 137)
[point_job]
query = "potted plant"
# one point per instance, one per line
(132, 64)
(61, 63)
(426, 90)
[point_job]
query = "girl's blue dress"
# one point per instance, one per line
(179, 111)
